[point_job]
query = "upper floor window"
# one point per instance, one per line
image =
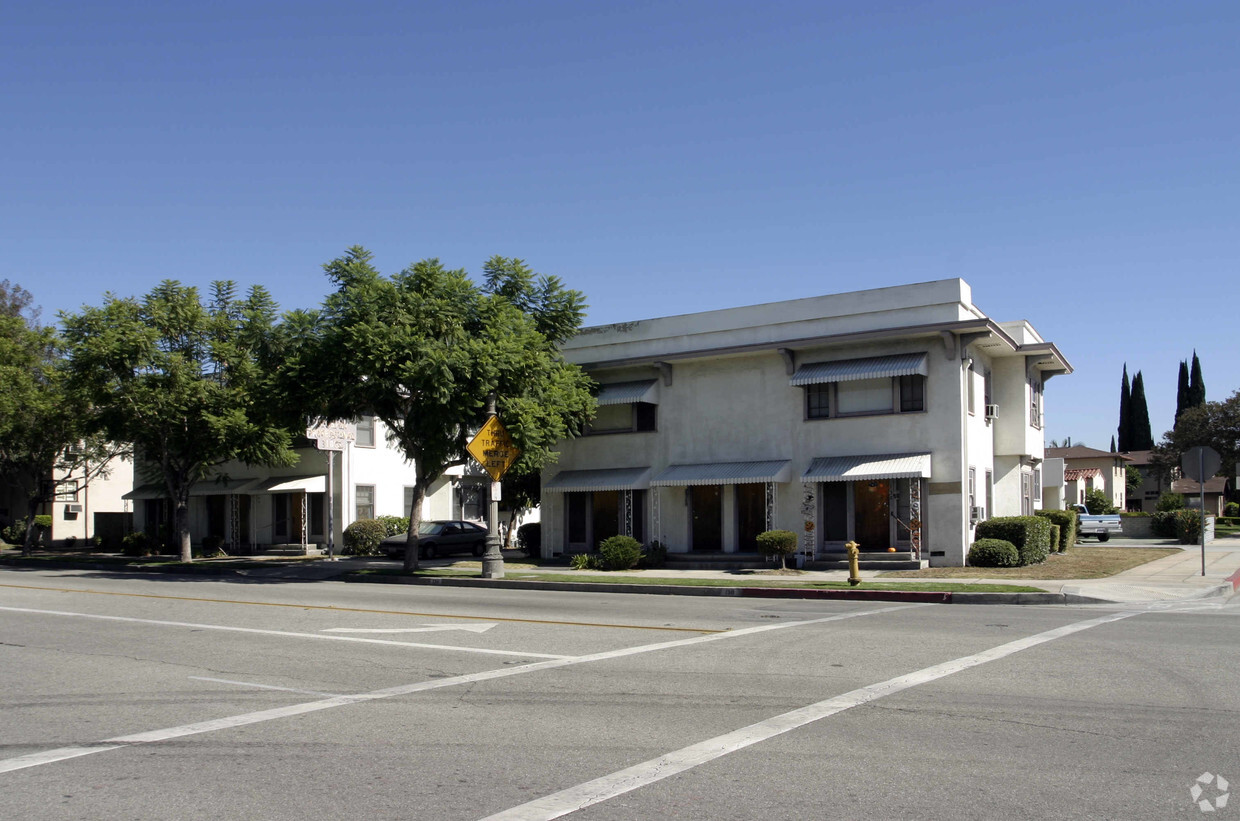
(626, 407)
(866, 397)
(365, 432)
(863, 387)
(1035, 402)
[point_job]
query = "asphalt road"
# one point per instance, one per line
(167, 698)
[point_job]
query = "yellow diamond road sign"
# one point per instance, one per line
(493, 448)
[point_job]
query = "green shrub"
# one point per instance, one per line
(1231, 510)
(1030, 534)
(137, 543)
(655, 555)
(993, 553)
(620, 552)
(1067, 522)
(1098, 502)
(529, 538)
(394, 525)
(14, 533)
(781, 543)
(1055, 544)
(1188, 526)
(584, 561)
(1162, 523)
(362, 538)
(1169, 501)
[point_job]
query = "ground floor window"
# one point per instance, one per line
(875, 513)
(594, 516)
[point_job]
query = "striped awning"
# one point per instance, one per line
(626, 393)
(577, 481)
(151, 491)
(860, 468)
(724, 473)
(1073, 474)
(289, 484)
(870, 367)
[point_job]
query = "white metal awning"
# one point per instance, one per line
(626, 393)
(289, 484)
(151, 491)
(859, 468)
(223, 488)
(576, 481)
(870, 367)
(724, 473)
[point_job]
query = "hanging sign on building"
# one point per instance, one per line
(332, 435)
(492, 448)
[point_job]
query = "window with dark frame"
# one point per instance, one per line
(365, 432)
(818, 401)
(822, 401)
(365, 506)
(912, 393)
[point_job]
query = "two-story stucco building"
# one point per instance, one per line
(252, 508)
(894, 417)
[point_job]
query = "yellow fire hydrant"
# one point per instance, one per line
(854, 555)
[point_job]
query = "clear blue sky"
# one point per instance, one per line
(1077, 163)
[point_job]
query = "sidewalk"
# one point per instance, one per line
(1177, 577)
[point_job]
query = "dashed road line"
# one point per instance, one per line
(334, 609)
(65, 753)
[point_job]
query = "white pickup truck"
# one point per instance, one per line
(1102, 525)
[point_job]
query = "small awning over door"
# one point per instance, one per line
(724, 473)
(577, 481)
(861, 468)
(290, 484)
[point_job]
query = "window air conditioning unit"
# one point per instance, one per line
(73, 508)
(976, 514)
(992, 411)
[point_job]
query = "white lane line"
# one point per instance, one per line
(478, 650)
(64, 753)
(426, 628)
(648, 772)
(264, 686)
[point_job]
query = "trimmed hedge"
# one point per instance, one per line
(395, 525)
(781, 543)
(1030, 534)
(362, 538)
(529, 538)
(993, 553)
(1067, 521)
(1162, 524)
(620, 552)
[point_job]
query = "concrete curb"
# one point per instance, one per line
(926, 597)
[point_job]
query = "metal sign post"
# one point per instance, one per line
(493, 448)
(1200, 463)
(332, 437)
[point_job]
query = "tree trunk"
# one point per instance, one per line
(32, 508)
(181, 523)
(512, 524)
(415, 520)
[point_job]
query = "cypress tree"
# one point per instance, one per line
(1196, 387)
(1142, 435)
(1112, 444)
(1181, 391)
(1125, 414)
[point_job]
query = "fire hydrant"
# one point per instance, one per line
(854, 555)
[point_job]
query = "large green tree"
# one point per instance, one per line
(1196, 384)
(423, 349)
(44, 428)
(1214, 424)
(189, 384)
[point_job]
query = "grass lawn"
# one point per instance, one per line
(587, 577)
(1078, 563)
